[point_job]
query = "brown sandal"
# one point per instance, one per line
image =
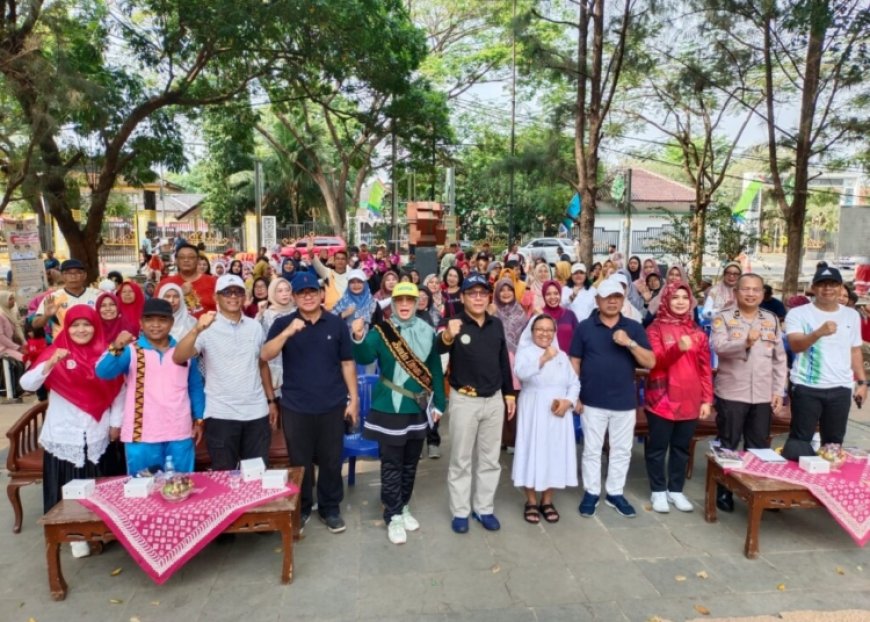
(549, 512)
(531, 514)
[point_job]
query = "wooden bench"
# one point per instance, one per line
(24, 460)
(759, 493)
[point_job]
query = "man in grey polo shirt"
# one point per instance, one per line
(240, 405)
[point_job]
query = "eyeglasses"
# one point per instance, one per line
(233, 293)
(308, 293)
(477, 293)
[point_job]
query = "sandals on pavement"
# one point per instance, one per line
(549, 512)
(531, 514)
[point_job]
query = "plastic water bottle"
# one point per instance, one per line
(816, 443)
(168, 468)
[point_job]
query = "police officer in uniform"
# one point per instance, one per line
(751, 378)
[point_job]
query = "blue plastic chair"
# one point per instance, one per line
(355, 446)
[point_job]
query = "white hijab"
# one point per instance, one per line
(184, 321)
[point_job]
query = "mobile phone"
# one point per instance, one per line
(859, 401)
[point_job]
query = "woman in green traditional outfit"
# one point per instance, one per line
(411, 385)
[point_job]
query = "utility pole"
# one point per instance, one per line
(628, 214)
(394, 196)
(513, 129)
(258, 201)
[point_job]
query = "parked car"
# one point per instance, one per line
(846, 263)
(331, 243)
(549, 248)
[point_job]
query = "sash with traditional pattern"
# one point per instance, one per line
(404, 355)
(139, 406)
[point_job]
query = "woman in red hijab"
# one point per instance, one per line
(83, 411)
(679, 390)
(109, 309)
(132, 300)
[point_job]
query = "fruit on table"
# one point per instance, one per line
(178, 486)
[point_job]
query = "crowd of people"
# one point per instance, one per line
(509, 348)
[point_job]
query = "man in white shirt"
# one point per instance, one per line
(240, 405)
(826, 339)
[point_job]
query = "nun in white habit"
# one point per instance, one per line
(546, 453)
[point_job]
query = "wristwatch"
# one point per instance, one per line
(631, 344)
(861, 383)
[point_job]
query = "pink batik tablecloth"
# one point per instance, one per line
(161, 535)
(845, 493)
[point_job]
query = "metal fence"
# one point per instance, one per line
(648, 241)
(602, 239)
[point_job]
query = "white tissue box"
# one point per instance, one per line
(78, 489)
(253, 469)
(138, 487)
(275, 479)
(814, 464)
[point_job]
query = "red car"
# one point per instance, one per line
(332, 244)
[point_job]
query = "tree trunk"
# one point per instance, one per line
(795, 220)
(699, 241)
(587, 227)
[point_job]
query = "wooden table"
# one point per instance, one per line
(759, 493)
(69, 521)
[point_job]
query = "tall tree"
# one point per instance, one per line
(100, 84)
(691, 96)
(813, 52)
(606, 40)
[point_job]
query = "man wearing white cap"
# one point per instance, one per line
(240, 404)
(606, 349)
(580, 297)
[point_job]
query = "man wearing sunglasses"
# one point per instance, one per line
(240, 404)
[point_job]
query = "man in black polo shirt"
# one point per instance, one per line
(319, 375)
(480, 377)
(604, 352)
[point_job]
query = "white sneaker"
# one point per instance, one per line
(660, 502)
(410, 523)
(680, 501)
(80, 549)
(396, 530)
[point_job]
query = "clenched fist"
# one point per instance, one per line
(205, 320)
(454, 327)
(826, 329)
(123, 340)
(685, 343)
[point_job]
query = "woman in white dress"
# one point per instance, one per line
(546, 454)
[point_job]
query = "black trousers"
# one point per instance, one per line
(398, 472)
(317, 438)
(230, 441)
(826, 408)
(669, 439)
(736, 420)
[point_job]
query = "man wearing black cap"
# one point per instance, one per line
(165, 401)
(53, 307)
(482, 388)
(826, 339)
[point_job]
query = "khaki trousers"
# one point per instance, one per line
(475, 441)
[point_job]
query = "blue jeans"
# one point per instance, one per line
(145, 455)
